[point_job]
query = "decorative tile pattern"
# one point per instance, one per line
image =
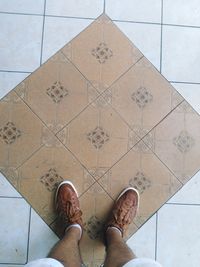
(184, 142)
(53, 89)
(143, 97)
(98, 137)
(57, 92)
(137, 169)
(140, 182)
(102, 53)
(177, 141)
(103, 47)
(9, 133)
(51, 179)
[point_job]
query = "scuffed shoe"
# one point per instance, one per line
(124, 210)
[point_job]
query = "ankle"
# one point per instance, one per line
(113, 235)
(73, 232)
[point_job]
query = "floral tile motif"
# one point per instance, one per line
(177, 141)
(49, 166)
(102, 53)
(98, 137)
(141, 169)
(20, 132)
(52, 90)
(143, 97)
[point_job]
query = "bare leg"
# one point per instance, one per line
(118, 253)
(67, 250)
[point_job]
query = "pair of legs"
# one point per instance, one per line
(117, 252)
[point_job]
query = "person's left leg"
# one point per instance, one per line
(67, 204)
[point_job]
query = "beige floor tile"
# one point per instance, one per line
(98, 137)
(102, 53)
(39, 176)
(141, 169)
(53, 90)
(21, 132)
(177, 141)
(143, 97)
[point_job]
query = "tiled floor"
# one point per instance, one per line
(171, 44)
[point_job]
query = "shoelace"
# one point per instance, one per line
(68, 212)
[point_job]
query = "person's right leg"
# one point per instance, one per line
(123, 212)
(66, 250)
(67, 204)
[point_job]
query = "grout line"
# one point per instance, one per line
(70, 17)
(161, 36)
(93, 18)
(184, 82)
(42, 40)
(156, 237)
(12, 197)
(28, 241)
(20, 13)
(182, 204)
(16, 71)
(136, 22)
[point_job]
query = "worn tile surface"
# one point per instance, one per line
(81, 117)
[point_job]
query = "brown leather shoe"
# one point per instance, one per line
(124, 210)
(67, 204)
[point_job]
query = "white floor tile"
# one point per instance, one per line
(190, 193)
(178, 236)
(22, 6)
(59, 31)
(78, 8)
(14, 214)
(182, 12)
(143, 242)
(10, 265)
(6, 189)
(8, 80)
(134, 10)
(42, 239)
(191, 92)
(151, 46)
(181, 57)
(21, 35)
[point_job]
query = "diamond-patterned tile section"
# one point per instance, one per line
(98, 137)
(42, 173)
(52, 91)
(141, 169)
(177, 141)
(55, 126)
(143, 97)
(99, 49)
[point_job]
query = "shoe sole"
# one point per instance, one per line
(135, 190)
(65, 182)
